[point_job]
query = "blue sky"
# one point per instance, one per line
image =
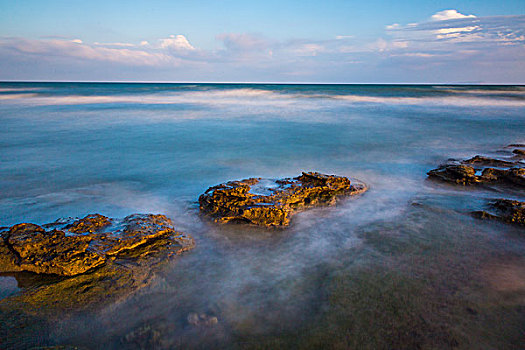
(276, 41)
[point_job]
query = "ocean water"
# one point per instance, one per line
(402, 266)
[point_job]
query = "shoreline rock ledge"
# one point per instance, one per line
(69, 247)
(270, 202)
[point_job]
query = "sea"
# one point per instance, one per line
(404, 265)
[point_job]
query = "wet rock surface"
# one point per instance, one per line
(128, 254)
(70, 248)
(510, 211)
(483, 170)
(506, 173)
(266, 202)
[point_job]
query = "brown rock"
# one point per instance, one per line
(486, 161)
(90, 223)
(511, 211)
(272, 202)
(41, 251)
(514, 176)
(481, 170)
(70, 249)
(8, 258)
(459, 174)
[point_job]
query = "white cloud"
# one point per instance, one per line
(393, 26)
(457, 45)
(76, 49)
(416, 54)
(449, 14)
(176, 42)
(453, 27)
(465, 33)
(114, 44)
(456, 30)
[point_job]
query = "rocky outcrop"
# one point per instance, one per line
(510, 211)
(483, 170)
(506, 173)
(72, 247)
(269, 203)
(470, 175)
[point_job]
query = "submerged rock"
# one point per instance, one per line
(272, 202)
(144, 337)
(511, 211)
(483, 170)
(71, 248)
(201, 319)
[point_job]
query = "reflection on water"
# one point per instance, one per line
(402, 266)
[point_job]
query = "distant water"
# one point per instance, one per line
(70, 149)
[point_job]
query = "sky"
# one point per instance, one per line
(403, 41)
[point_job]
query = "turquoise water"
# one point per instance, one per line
(70, 149)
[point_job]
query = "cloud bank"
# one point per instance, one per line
(449, 47)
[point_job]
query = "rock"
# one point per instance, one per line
(269, 203)
(90, 223)
(145, 337)
(481, 214)
(481, 170)
(7, 258)
(69, 249)
(460, 174)
(97, 288)
(514, 176)
(520, 152)
(131, 250)
(202, 319)
(486, 161)
(507, 174)
(511, 211)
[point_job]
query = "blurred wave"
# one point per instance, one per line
(277, 95)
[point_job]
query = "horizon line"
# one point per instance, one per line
(244, 82)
